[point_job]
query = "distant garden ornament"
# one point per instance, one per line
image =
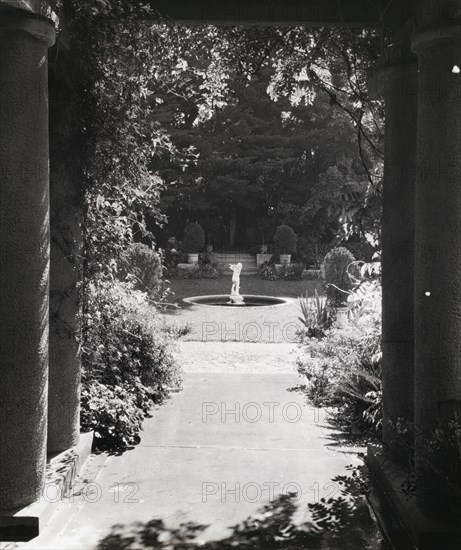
(235, 297)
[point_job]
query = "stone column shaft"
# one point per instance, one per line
(438, 270)
(65, 179)
(24, 254)
(398, 82)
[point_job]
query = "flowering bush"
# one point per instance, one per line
(209, 271)
(113, 414)
(293, 272)
(267, 271)
(126, 357)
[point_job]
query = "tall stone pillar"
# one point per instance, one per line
(398, 83)
(24, 253)
(65, 179)
(437, 43)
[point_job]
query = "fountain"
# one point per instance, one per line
(235, 298)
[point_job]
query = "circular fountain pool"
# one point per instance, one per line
(249, 301)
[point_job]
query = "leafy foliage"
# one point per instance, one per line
(267, 271)
(145, 268)
(293, 271)
(307, 251)
(113, 413)
(343, 369)
(337, 279)
(121, 71)
(125, 350)
(315, 316)
(209, 269)
(113, 64)
(312, 274)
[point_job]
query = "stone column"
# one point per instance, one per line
(438, 262)
(65, 179)
(398, 83)
(24, 253)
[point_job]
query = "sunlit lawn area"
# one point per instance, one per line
(227, 323)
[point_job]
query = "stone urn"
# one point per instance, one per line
(192, 258)
(342, 315)
(285, 259)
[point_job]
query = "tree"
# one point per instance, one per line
(256, 154)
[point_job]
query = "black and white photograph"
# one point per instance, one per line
(230, 274)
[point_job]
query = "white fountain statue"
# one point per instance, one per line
(235, 297)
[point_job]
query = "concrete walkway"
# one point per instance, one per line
(215, 466)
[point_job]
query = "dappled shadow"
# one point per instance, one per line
(342, 523)
(337, 431)
(340, 434)
(336, 436)
(299, 388)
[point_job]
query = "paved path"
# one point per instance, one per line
(236, 439)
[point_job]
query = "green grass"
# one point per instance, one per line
(183, 288)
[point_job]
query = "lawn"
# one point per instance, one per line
(265, 325)
(183, 288)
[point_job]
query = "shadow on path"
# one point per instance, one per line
(342, 523)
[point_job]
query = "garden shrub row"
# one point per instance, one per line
(342, 364)
(127, 363)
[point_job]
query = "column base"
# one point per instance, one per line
(403, 524)
(24, 524)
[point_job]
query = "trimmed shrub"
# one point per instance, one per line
(127, 363)
(285, 240)
(145, 265)
(338, 283)
(194, 238)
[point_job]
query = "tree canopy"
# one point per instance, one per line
(147, 88)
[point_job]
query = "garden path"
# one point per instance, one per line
(215, 462)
